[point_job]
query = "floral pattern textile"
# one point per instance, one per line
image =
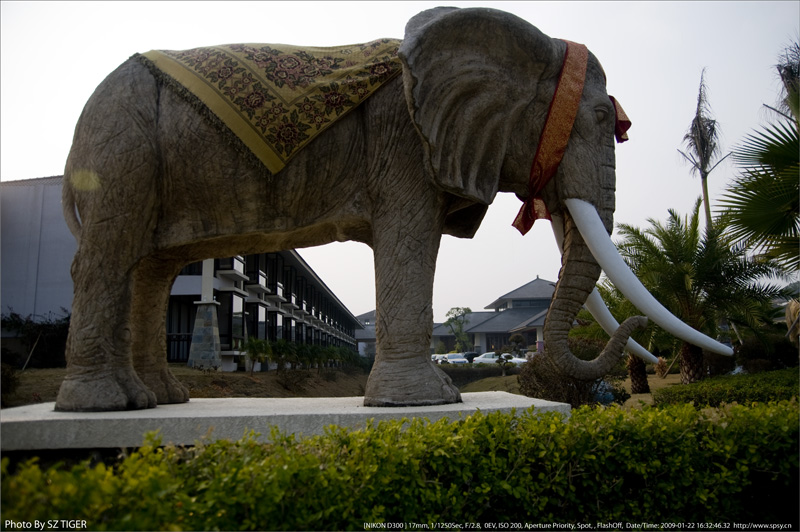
(275, 98)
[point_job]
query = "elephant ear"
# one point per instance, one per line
(468, 76)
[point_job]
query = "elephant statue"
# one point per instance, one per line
(151, 185)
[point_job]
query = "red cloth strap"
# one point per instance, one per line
(556, 132)
(622, 122)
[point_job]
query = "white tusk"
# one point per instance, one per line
(597, 307)
(604, 251)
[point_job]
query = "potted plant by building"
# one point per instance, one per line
(283, 353)
(257, 351)
(304, 355)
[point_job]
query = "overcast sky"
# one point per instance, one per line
(55, 53)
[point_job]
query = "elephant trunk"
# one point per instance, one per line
(579, 274)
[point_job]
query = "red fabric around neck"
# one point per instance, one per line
(556, 132)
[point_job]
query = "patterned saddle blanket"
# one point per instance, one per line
(276, 98)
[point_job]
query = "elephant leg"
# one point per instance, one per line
(100, 375)
(151, 288)
(112, 179)
(405, 246)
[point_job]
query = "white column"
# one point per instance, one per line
(207, 283)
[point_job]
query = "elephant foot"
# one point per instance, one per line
(409, 382)
(162, 382)
(104, 390)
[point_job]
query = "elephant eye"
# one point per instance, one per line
(601, 113)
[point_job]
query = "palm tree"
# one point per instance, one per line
(701, 277)
(257, 350)
(762, 205)
(788, 68)
(284, 352)
(304, 355)
(702, 142)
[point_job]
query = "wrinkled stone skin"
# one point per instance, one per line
(150, 186)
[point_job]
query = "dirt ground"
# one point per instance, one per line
(508, 384)
(41, 385)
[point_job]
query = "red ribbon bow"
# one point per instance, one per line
(556, 132)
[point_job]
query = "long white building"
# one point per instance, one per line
(270, 295)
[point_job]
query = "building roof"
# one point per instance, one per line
(54, 180)
(476, 319)
(368, 318)
(367, 331)
(537, 320)
(510, 320)
(536, 289)
(291, 256)
(504, 321)
(536, 295)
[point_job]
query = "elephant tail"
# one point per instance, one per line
(70, 209)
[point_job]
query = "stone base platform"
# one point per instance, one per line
(40, 427)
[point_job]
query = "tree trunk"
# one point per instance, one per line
(638, 374)
(706, 201)
(691, 363)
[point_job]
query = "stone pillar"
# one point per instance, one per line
(205, 347)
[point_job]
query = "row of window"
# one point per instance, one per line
(273, 299)
(283, 283)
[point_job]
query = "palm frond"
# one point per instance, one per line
(776, 145)
(762, 205)
(698, 277)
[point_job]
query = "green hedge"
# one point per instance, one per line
(743, 389)
(671, 465)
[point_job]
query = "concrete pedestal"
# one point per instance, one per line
(205, 349)
(39, 427)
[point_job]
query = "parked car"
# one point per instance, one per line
(486, 358)
(437, 359)
(491, 358)
(454, 358)
(470, 355)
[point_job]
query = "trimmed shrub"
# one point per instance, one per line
(743, 389)
(716, 364)
(8, 383)
(676, 464)
(773, 351)
(44, 338)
